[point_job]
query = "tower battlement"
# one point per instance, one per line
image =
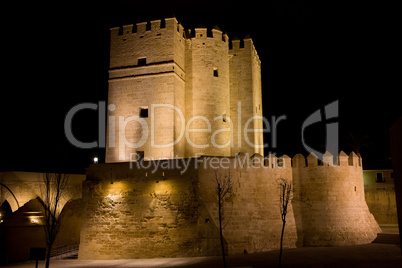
(327, 206)
(159, 62)
(168, 192)
(147, 27)
(343, 160)
(203, 32)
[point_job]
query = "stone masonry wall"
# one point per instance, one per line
(166, 210)
(136, 85)
(209, 93)
(245, 96)
(252, 215)
(134, 213)
(157, 62)
(329, 202)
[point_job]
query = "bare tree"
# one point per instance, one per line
(285, 187)
(53, 187)
(224, 187)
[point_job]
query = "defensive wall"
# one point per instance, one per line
(332, 210)
(139, 211)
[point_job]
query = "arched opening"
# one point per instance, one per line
(22, 230)
(5, 211)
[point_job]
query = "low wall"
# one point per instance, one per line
(166, 210)
(135, 213)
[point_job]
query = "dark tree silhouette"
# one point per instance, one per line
(224, 187)
(53, 187)
(285, 191)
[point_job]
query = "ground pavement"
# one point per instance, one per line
(384, 252)
(369, 255)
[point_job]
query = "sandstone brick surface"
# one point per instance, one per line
(137, 213)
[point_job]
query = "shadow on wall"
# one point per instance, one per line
(23, 230)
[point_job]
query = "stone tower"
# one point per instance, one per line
(176, 93)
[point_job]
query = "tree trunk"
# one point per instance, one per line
(221, 234)
(48, 256)
(280, 250)
(47, 259)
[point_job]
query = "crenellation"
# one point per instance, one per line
(180, 30)
(286, 161)
(248, 44)
(200, 32)
(217, 34)
(342, 187)
(312, 160)
(354, 160)
(343, 159)
(155, 25)
(299, 161)
(327, 159)
(141, 28)
(205, 76)
(235, 44)
(334, 194)
(127, 29)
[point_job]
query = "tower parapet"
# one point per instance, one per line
(246, 95)
(146, 68)
(217, 90)
(208, 93)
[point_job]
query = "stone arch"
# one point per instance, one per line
(8, 195)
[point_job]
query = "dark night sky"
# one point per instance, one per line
(57, 57)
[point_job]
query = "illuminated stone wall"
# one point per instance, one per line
(146, 67)
(246, 98)
(134, 213)
(329, 203)
(195, 72)
(252, 214)
(207, 85)
(172, 212)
